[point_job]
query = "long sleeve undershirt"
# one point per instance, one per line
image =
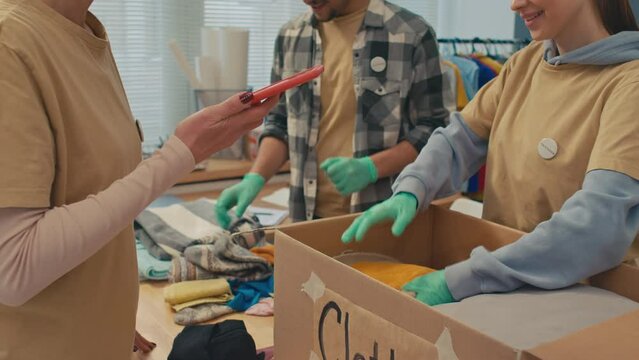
(589, 234)
(38, 246)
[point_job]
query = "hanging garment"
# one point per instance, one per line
(485, 72)
(470, 74)
(450, 83)
(491, 63)
(462, 99)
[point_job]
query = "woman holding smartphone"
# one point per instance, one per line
(72, 182)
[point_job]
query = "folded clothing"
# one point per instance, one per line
(249, 293)
(218, 300)
(529, 316)
(150, 268)
(266, 252)
(391, 274)
(225, 258)
(227, 340)
(264, 307)
(200, 313)
(179, 226)
(183, 292)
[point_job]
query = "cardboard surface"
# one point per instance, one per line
(343, 328)
(436, 238)
(614, 339)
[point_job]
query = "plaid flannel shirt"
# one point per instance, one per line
(401, 100)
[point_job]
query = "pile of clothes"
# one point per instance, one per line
(214, 271)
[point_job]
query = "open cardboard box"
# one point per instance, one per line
(328, 310)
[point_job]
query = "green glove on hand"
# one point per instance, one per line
(241, 194)
(400, 208)
(431, 289)
(350, 175)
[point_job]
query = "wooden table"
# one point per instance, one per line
(221, 169)
(155, 317)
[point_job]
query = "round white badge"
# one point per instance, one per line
(547, 148)
(378, 64)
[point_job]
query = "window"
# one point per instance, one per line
(140, 30)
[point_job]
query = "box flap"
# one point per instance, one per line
(623, 280)
(456, 234)
(324, 235)
(613, 339)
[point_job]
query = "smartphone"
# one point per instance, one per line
(285, 84)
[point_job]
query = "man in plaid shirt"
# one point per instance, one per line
(350, 131)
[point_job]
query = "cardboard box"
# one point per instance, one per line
(328, 310)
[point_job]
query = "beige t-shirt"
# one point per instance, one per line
(66, 132)
(338, 107)
(589, 111)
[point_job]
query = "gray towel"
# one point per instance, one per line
(153, 227)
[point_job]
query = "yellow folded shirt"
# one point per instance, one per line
(186, 291)
(392, 274)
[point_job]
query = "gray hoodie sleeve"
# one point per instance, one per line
(450, 157)
(590, 234)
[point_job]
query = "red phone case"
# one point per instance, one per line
(285, 84)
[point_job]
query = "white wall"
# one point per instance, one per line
(476, 18)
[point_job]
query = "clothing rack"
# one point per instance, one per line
(499, 46)
(483, 41)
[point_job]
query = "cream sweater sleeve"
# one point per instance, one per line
(38, 246)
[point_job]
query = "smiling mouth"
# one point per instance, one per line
(317, 6)
(532, 17)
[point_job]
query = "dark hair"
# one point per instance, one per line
(617, 16)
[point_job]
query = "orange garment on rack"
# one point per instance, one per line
(394, 275)
(493, 64)
(462, 98)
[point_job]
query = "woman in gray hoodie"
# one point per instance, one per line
(558, 131)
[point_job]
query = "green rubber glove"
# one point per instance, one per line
(431, 289)
(240, 195)
(350, 175)
(400, 208)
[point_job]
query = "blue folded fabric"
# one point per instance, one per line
(150, 268)
(249, 293)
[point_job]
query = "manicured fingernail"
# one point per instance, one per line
(135, 348)
(246, 97)
(154, 344)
